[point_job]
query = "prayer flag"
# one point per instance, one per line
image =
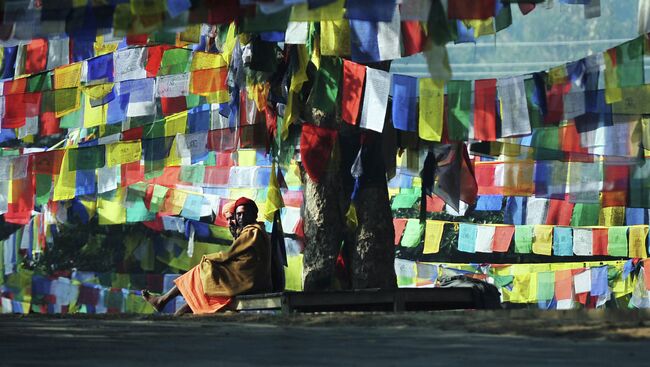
(543, 240)
(523, 239)
(432, 236)
(375, 41)
(467, 237)
(582, 242)
(353, 79)
(617, 241)
(637, 241)
(375, 100)
(412, 233)
(502, 238)
(459, 118)
(514, 107)
(562, 241)
(432, 103)
(404, 91)
(484, 109)
(484, 238)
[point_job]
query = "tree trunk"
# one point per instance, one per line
(323, 225)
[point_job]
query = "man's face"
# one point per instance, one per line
(232, 223)
(244, 216)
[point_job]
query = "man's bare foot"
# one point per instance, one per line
(154, 301)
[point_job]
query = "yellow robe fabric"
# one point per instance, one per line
(245, 268)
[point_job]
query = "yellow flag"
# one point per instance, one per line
(432, 236)
(66, 182)
(205, 60)
(333, 11)
(176, 124)
(112, 211)
(260, 94)
(94, 116)
(274, 199)
(123, 152)
(102, 48)
(191, 34)
(613, 92)
(432, 104)
(351, 220)
(543, 240)
(175, 202)
(335, 38)
(481, 27)
(68, 76)
(173, 159)
(248, 158)
(637, 241)
(91, 207)
(229, 44)
(557, 75)
(524, 288)
(98, 91)
(297, 80)
(612, 216)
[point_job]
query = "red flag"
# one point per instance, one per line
(502, 238)
(485, 127)
(154, 57)
(526, 8)
(172, 105)
(471, 9)
(353, 77)
(36, 56)
(413, 37)
(132, 173)
(316, 145)
(599, 241)
(400, 226)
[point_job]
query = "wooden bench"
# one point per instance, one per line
(386, 300)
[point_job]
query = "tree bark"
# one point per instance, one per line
(323, 225)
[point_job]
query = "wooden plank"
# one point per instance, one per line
(270, 301)
(396, 300)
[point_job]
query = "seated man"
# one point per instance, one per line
(245, 268)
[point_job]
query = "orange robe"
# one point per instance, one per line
(245, 268)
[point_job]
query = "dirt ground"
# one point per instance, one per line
(521, 337)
